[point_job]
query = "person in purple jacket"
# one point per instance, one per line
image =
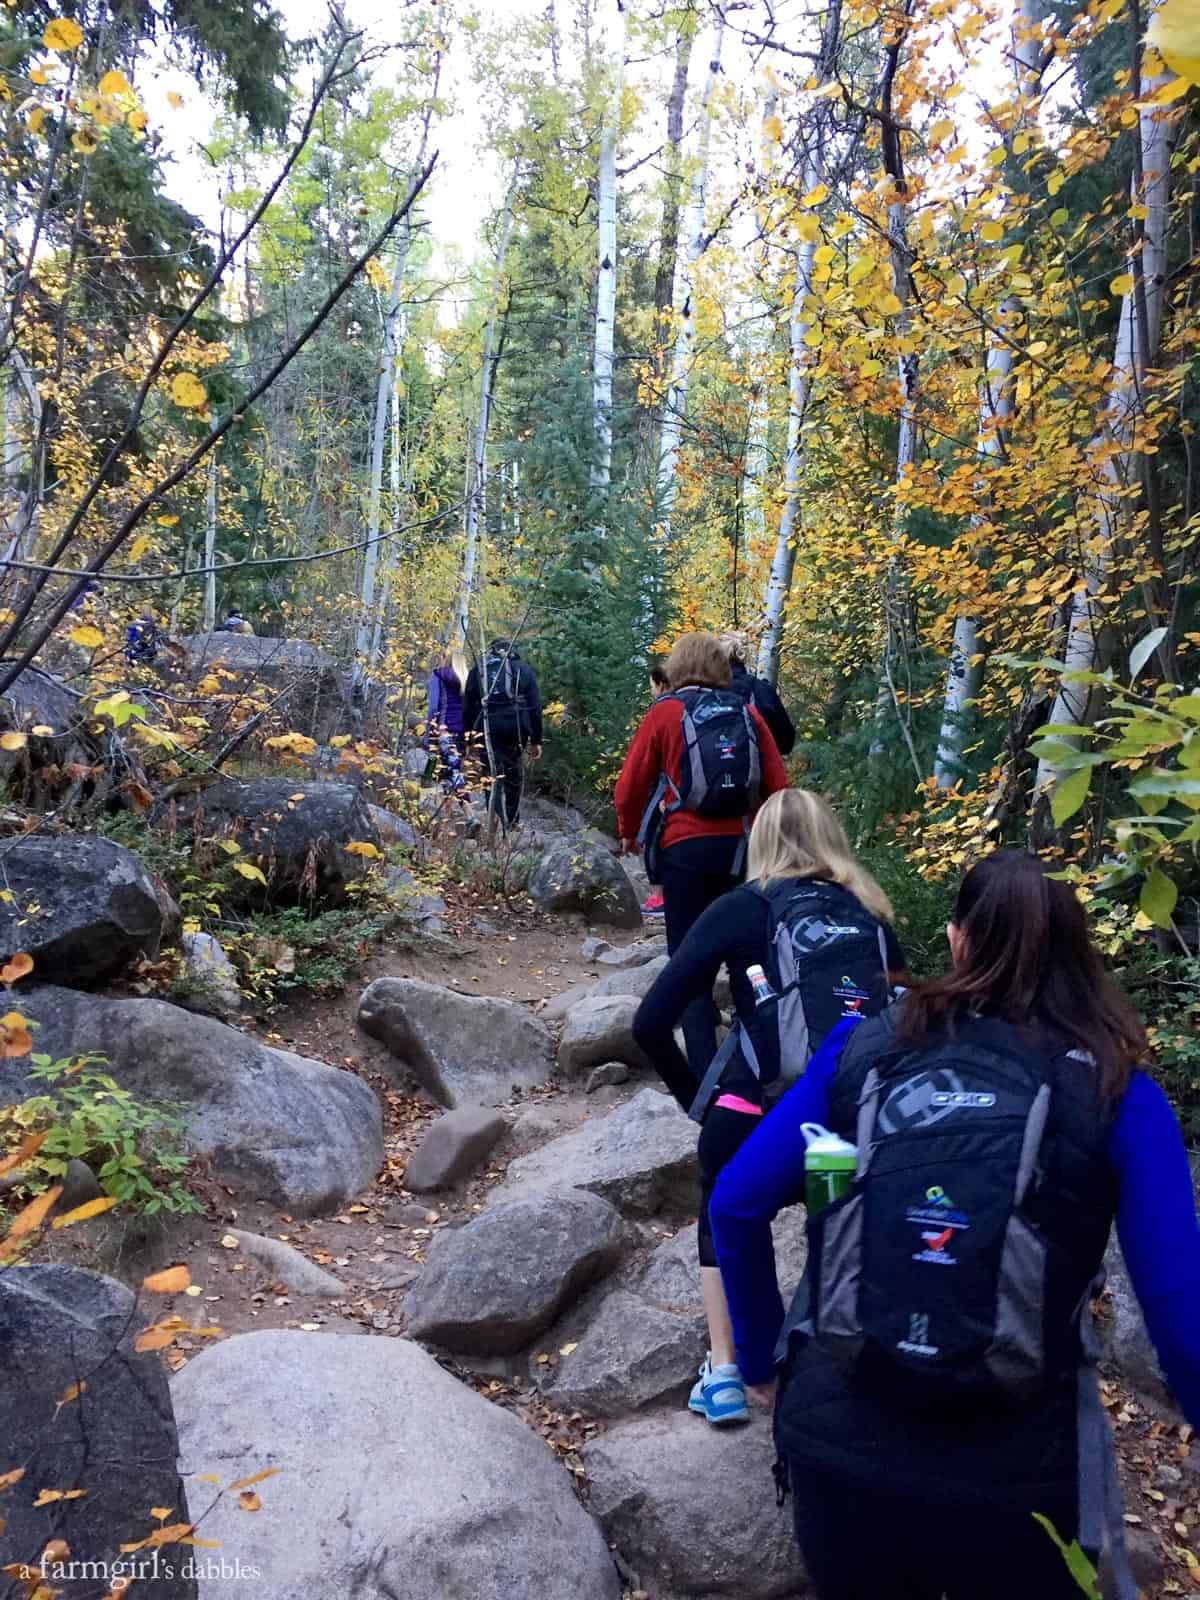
(444, 718)
(903, 1484)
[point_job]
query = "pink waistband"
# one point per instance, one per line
(734, 1102)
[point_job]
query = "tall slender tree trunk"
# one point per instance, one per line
(668, 237)
(1114, 452)
(395, 505)
(606, 266)
(671, 434)
(964, 671)
(23, 457)
(758, 347)
(476, 494)
(209, 618)
(812, 164)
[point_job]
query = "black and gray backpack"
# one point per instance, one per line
(827, 959)
(946, 1262)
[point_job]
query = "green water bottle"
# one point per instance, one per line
(829, 1166)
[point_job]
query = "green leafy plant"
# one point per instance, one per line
(1080, 1568)
(134, 1147)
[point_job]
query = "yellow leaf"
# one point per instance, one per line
(35, 119)
(188, 393)
(139, 547)
(230, 847)
(249, 870)
(42, 730)
(362, 847)
(808, 230)
(1122, 284)
(91, 1208)
(249, 1501)
(992, 231)
(12, 741)
(136, 120)
(46, 1497)
(565, 1350)
(773, 128)
(85, 141)
(7, 1479)
(1188, 68)
(258, 1477)
(166, 522)
(1055, 182)
(174, 100)
(29, 1146)
(72, 1392)
(942, 129)
(861, 267)
(86, 636)
(815, 196)
(375, 274)
(13, 970)
(113, 82)
(871, 368)
(39, 75)
(169, 1281)
(889, 304)
(62, 34)
(155, 1338)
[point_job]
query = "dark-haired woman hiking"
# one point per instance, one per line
(935, 1393)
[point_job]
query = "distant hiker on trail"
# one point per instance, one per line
(235, 624)
(937, 1389)
(444, 718)
(142, 641)
(758, 693)
(699, 766)
(503, 706)
(660, 684)
(807, 940)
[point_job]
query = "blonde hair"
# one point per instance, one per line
(736, 645)
(458, 665)
(796, 835)
(698, 658)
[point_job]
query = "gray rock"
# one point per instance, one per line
(80, 905)
(606, 1075)
(578, 875)
(286, 1264)
(444, 1495)
(629, 1354)
(490, 1287)
(592, 948)
(275, 1126)
(691, 1509)
(314, 690)
(635, 981)
(294, 832)
(425, 910)
(79, 1185)
(632, 955)
(392, 829)
(210, 982)
(116, 1440)
(599, 1029)
(538, 1124)
(453, 1146)
(641, 1156)
(37, 699)
(671, 1280)
(558, 1006)
(1127, 1343)
(463, 1049)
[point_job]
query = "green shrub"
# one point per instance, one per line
(922, 908)
(134, 1147)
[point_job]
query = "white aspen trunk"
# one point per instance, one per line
(783, 562)
(671, 432)
(22, 507)
(606, 268)
(964, 671)
(477, 466)
(1113, 448)
(385, 383)
(392, 556)
(516, 500)
(758, 345)
(209, 618)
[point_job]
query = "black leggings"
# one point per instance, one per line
(722, 1136)
(694, 873)
(864, 1544)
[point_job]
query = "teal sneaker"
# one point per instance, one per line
(719, 1395)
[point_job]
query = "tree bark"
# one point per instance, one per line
(209, 617)
(758, 347)
(683, 344)
(606, 268)
(783, 563)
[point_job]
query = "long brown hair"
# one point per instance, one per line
(1027, 956)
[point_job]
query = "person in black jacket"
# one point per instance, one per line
(502, 706)
(760, 694)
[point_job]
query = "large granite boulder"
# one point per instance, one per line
(311, 694)
(600, 1029)
(692, 1508)
(463, 1049)
(581, 875)
(80, 905)
(80, 1410)
(295, 834)
(635, 981)
(394, 1479)
(641, 1156)
(629, 1354)
(275, 1126)
(490, 1287)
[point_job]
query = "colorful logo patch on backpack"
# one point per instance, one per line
(852, 995)
(937, 1220)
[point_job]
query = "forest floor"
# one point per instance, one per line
(376, 1245)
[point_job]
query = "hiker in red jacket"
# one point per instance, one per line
(700, 765)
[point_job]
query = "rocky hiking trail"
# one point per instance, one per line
(448, 1282)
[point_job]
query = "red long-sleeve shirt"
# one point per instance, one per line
(657, 747)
